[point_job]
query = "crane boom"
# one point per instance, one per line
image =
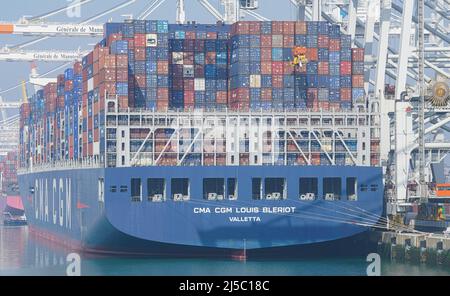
(48, 29)
(41, 55)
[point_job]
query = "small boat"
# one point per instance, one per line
(14, 212)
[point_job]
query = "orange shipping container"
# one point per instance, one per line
(357, 80)
(346, 94)
(323, 68)
(121, 61)
(163, 94)
(163, 67)
(335, 44)
(289, 28)
(221, 97)
(266, 42)
(300, 28)
(266, 68)
(312, 54)
(140, 40)
(277, 27)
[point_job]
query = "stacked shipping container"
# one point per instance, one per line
(157, 66)
(8, 169)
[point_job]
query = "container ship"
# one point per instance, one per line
(205, 140)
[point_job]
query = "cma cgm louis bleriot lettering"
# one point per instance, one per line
(205, 140)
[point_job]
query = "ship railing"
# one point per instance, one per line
(85, 163)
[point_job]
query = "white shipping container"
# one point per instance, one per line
(96, 147)
(255, 81)
(177, 58)
(199, 84)
(90, 84)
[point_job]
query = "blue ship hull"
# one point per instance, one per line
(66, 206)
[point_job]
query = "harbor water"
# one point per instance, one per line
(23, 254)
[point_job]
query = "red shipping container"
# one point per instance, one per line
(106, 62)
(141, 81)
(266, 42)
(312, 54)
(277, 27)
(324, 105)
(96, 135)
(77, 68)
(199, 70)
(199, 45)
(277, 81)
(90, 58)
(240, 95)
(210, 58)
(113, 37)
(140, 40)
(139, 53)
(240, 28)
(323, 41)
(68, 85)
(163, 67)
(335, 106)
(189, 97)
(90, 149)
(254, 27)
(288, 28)
(190, 35)
(105, 75)
(163, 94)
(323, 68)
(311, 94)
(123, 102)
(122, 74)
(162, 105)
(288, 41)
(221, 97)
(346, 94)
(300, 28)
(277, 68)
(97, 80)
(96, 68)
(211, 35)
(266, 54)
(357, 80)
(266, 68)
(335, 44)
(346, 68)
(188, 84)
(121, 61)
(358, 54)
(266, 94)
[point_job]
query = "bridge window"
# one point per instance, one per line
(113, 188)
(373, 187)
(351, 188)
(123, 188)
(256, 188)
(331, 188)
(308, 188)
(213, 188)
(136, 189)
(180, 189)
(156, 189)
(232, 189)
(363, 187)
(275, 188)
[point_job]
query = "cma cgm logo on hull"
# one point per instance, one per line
(52, 201)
